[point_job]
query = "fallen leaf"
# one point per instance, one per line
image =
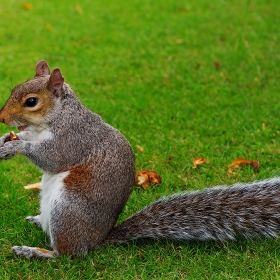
(181, 10)
(146, 179)
(141, 149)
(169, 159)
(240, 161)
(217, 64)
(49, 27)
(277, 150)
(198, 161)
(230, 172)
(33, 186)
(79, 9)
(183, 178)
(27, 6)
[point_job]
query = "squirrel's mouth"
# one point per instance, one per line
(22, 127)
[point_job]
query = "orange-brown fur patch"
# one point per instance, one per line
(16, 110)
(78, 179)
(44, 251)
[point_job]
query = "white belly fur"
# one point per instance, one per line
(51, 190)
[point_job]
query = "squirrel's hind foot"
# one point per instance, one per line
(33, 252)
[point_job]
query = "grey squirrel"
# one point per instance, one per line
(89, 172)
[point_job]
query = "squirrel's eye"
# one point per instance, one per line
(31, 102)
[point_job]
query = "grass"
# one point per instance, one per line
(182, 79)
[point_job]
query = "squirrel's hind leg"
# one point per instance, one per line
(33, 252)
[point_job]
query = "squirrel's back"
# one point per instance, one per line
(219, 213)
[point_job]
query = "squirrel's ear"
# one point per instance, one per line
(56, 82)
(42, 68)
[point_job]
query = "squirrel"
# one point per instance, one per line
(89, 171)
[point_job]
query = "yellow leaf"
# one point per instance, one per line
(79, 9)
(27, 6)
(49, 27)
(230, 172)
(141, 149)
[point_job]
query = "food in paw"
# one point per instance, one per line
(10, 137)
(13, 136)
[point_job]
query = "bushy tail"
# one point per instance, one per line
(220, 213)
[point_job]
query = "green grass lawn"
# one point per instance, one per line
(182, 79)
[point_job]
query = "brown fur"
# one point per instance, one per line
(44, 251)
(78, 179)
(16, 112)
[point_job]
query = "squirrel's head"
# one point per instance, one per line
(31, 102)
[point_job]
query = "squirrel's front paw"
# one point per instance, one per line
(10, 149)
(5, 138)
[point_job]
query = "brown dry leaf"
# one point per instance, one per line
(27, 6)
(217, 64)
(33, 186)
(240, 161)
(146, 179)
(198, 161)
(141, 149)
(181, 10)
